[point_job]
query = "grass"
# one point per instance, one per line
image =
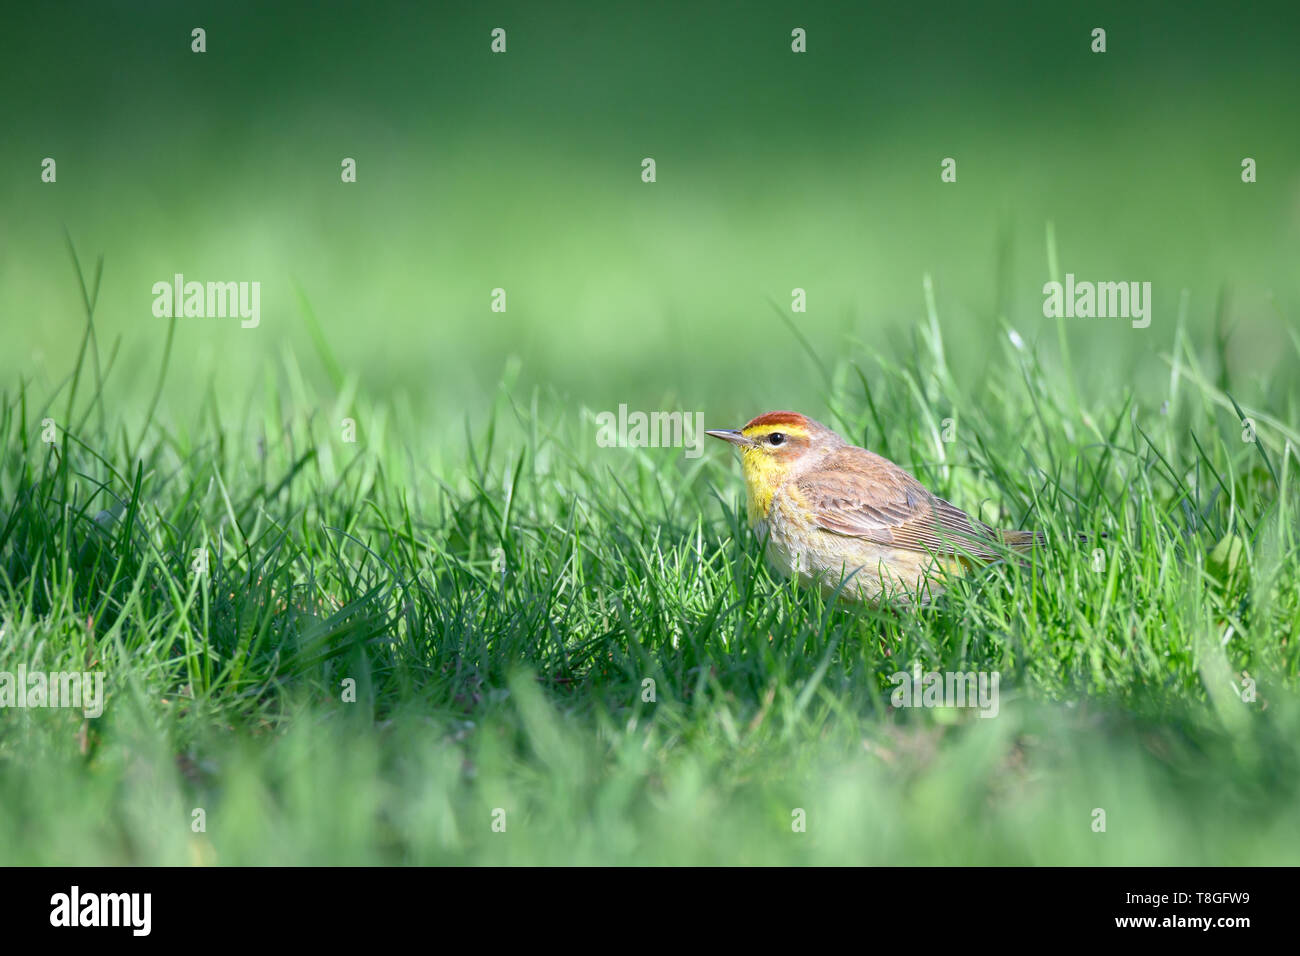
(507, 598)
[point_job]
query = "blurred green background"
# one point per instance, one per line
(522, 171)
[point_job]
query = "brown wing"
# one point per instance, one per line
(861, 495)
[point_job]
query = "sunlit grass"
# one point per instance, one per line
(503, 593)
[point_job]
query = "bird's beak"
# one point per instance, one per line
(732, 435)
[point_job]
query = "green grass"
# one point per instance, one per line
(501, 590)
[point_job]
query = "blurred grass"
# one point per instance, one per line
(519, 686)
(522, 171)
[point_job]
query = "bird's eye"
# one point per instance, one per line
(776, 438)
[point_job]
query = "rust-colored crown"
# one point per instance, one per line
(777, 418)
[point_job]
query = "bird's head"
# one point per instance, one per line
(773, 447)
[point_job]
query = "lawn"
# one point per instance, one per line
(515, 646)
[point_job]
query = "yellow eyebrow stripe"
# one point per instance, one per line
(757, 431)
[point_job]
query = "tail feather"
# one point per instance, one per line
(1023, 541)
(1026, 541)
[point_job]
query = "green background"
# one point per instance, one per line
(522, 171)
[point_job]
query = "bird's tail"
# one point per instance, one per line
(1026, 541)
(1023, 541)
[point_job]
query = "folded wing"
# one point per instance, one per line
(858, 494)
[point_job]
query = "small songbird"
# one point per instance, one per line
(830, 511)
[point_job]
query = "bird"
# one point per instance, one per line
(839, 517)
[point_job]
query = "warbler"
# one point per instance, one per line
(832, 513)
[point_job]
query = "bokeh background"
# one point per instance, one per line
(522, 171)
